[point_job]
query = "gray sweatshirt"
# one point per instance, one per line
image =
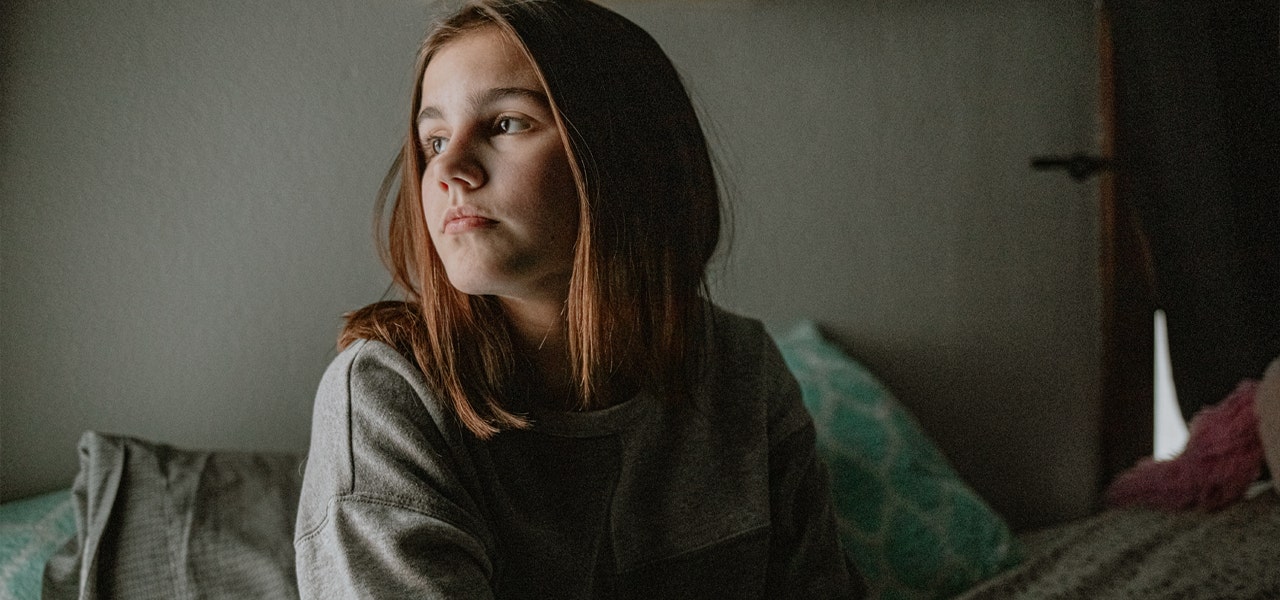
(722, 497)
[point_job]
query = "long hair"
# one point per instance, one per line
(649, 221)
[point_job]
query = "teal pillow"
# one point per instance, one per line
(31, 530)
(914, 529)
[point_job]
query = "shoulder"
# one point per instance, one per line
(386, 463)
(381, 391)
(729, 330)
(373, 406)
(371, 376)
(730, 322)
(745, 356)
(367, 376)
(378, 434)
(742, 344)
(369, 359)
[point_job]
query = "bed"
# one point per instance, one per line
(148, 520)
(1142, 553)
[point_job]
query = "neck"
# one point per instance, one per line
(541, 332)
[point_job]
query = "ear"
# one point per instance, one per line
(1267, 405)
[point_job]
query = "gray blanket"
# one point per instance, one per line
(1132, 553)
(154, 521)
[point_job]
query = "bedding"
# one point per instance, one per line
(1123, 554)
(147, 520)
(913, 527)
(153, 521)
(1129, 554)
(31, 530)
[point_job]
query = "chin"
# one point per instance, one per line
(479, 284)
(471, 288)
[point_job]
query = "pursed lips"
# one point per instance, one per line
(461, 219)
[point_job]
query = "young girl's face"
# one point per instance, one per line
(500, 201)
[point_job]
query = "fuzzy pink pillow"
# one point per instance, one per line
(1222, 459)
(1267, 405)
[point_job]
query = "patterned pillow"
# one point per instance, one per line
(31, 530)
(911, 525)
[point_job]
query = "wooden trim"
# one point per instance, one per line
(1128, 391)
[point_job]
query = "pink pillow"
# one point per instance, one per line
(1267, 405)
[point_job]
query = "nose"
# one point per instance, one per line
(458, 167)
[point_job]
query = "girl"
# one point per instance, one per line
(555, 410)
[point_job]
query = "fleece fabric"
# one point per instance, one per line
(722, 497)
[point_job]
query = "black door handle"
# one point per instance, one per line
(1080, 166)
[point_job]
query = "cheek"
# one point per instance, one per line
(560, 210)
(428, 201)
(561, 193)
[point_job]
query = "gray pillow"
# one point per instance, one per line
(153, 521)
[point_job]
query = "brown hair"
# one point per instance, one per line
(649, 221)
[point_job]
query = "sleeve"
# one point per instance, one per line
(805, 556)
(387, 507)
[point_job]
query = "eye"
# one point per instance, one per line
(512, 125)
(434, 145)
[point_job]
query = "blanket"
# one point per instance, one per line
(1143, 553)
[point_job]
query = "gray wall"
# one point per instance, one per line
(188, 192)
(187, 196)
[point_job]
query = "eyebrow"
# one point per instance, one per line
(488, 97)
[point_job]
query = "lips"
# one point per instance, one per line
(461, 219)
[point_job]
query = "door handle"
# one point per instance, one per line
(1079, 166)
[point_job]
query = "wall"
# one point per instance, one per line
(187, 196)
(879, 152)
(188, 192)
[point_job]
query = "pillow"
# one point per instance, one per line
(31, 530)
(158, 522)
(1266, 403)
(910, 524)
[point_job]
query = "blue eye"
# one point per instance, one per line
(434, 145)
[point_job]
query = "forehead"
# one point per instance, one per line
(474, 62)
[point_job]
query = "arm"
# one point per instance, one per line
(806, 559)
(370, 548)
(387, 508)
